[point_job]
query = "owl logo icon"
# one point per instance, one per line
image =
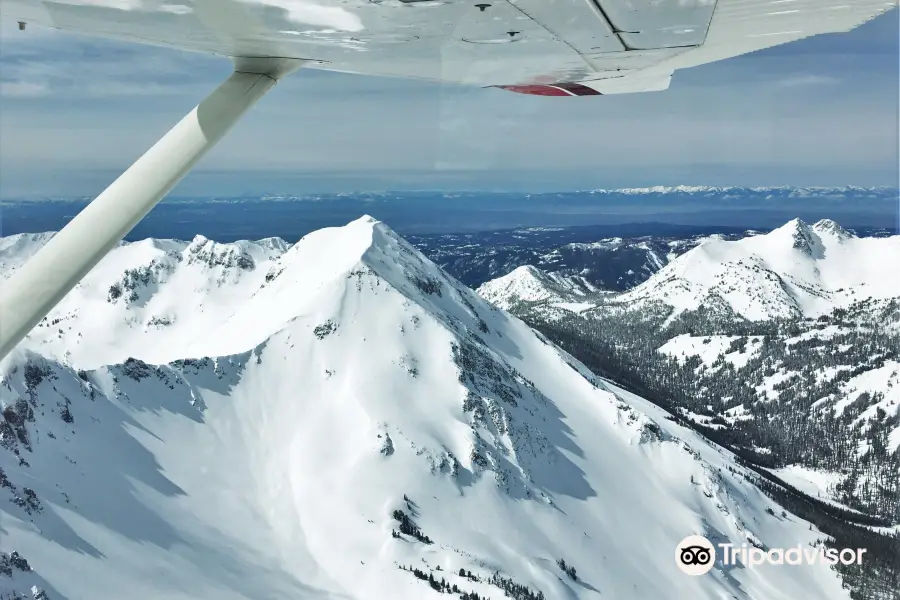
(695, 555)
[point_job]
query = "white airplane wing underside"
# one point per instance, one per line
(609, 46)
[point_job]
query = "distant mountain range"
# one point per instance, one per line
(797, 270)
(658, 209)
(340, 419)
(608, 263)
(605, 263)
(846, 191)
(773, 191)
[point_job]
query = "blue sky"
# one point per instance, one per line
(75, 111)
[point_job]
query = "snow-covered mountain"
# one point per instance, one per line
(796, 270)
(804, 320)
(339, 419)
(530, 284)
(153, 298)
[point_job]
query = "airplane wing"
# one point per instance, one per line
(546, 47)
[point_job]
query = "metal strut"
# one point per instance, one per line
(39, 285)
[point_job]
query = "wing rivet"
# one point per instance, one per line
(482, 7)
(21, 25)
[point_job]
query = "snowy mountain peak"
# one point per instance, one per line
(16, 249)
(24, 239)
(199, 241)
(526, 283)
(527, 272)
(801, 235)
(530, 284)
(212, 254)
(161, 300)
(794, 270)
(829, 227)
(796, 224)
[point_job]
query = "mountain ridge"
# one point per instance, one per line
(802, 270)
(796, 270)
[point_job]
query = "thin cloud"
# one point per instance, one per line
(46, 62)
(23, 89)
(808, 80)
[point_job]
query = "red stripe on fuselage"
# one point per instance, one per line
(536, 90)
(557, 89)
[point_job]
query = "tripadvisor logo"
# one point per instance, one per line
(696, 555)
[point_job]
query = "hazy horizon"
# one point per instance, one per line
(229, 218)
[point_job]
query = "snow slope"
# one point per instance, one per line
(710, 349)
(795, 270)
(294, 409)
(818, 484)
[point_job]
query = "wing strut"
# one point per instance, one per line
(55, 269)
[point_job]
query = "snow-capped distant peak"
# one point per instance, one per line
(794, 270)
(18, 248)
(782, 191)
(829, 227)
(524, 284)
(684, 189)
(803, 238)
(25, 238)
(527, 271)
(530, 284)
